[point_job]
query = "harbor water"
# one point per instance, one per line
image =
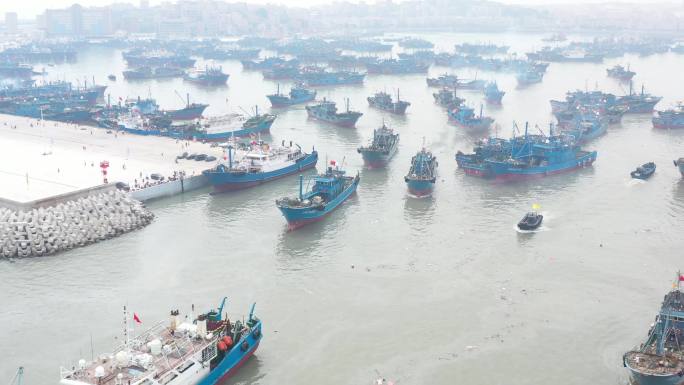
(437, 291)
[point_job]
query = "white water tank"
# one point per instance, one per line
(99, 372)
(155, 347)
(81, 364)
(202, 327)
(122, 359)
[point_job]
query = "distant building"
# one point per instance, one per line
(11, 22)
(58, 22)
(78, 21)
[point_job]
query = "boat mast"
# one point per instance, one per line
(125, 326)
(301, 187)
(18, 377)
(230, 156)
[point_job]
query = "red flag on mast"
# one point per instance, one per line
(136, 318)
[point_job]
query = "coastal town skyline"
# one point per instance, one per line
(32, 8)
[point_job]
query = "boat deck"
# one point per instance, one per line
(652, 364)
(175, 349)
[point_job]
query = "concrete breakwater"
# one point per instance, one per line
(75, 223)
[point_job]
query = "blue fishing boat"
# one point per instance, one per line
(298, 94)
(680, 164)
(189, 112)
(142, 73)
(422, 175)
(586, 127)
(493, 94)
(638, 103)
(209, 76)
(16, 70)
(212, 129)
(481, 49)
(205, 349)
(327, 112)
(669, 119)
(268, 63)
(621, 73)
(660, 359)
(474, 84)
(329, 191)
(529, 77)
(383, 101)
(415, 43)
(317, 77)
(525, 157)
(224, 127)
(382, 148)
(447, 98)
(261, 164)
(644, 171)
(464, 116)
(394, 66)
(445, 80)
(281, 72)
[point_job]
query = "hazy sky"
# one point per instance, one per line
(30, 8)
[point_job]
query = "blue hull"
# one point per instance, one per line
(298, 217)
(234, 359)
(420, 188)
(649, 379)
(283, 101)
(377, 159)
(226, 181)
(506, 172)
(261, 128)
(187, 113)
(587, 137)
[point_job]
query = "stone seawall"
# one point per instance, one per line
(76, 221)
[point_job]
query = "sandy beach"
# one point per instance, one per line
(41, 159)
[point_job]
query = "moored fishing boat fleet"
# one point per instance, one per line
(581, 118)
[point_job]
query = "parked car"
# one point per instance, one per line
(123, 186)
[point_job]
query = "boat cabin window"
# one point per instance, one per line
(185, 366)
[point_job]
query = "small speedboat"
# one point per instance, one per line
(530, 221)
(644, 171)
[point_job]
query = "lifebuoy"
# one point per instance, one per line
(244, 346)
